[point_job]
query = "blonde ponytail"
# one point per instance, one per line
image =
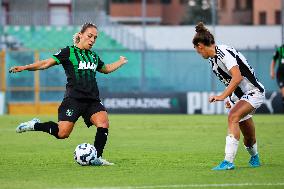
(76, 38)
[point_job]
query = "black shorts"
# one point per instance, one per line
(280, 79)
(71, 109)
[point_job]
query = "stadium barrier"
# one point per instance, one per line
(154, 103)
(173, 103)
(159, 71)
(159, 103)
(49, 108)
(197, 103)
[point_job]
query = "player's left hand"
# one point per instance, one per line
(123, 59)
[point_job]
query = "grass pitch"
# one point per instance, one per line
(150, 151)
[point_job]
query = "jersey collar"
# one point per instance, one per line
(79, 48)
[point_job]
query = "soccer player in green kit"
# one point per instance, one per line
(278, 58)
(82, 94)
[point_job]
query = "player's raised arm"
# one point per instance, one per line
(39, 65)
(108, 68)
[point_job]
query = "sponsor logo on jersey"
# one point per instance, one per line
(87, 65)
(69, 112)
(57, 53)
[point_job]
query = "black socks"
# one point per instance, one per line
(52, 129)
(100, 140)
(48, 127)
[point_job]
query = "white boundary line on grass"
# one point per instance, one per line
(187, 186)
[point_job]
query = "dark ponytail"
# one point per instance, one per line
(202, 35)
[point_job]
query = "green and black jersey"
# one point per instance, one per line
(279, 59)
(80, 68)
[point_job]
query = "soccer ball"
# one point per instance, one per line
(85, 153)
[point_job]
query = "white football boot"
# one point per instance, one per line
(101, 162)
(27, 126)
(105, 162)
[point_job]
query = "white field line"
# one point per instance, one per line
(186, 186)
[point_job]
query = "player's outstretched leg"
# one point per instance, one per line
(50, 127)
(27, 126)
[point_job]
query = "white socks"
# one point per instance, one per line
(231, 148)
(252, 150)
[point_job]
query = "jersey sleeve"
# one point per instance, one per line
(276, 55)
(62, 55)
(228, 58)
(101, 64)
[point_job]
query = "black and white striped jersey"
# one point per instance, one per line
(228, 57)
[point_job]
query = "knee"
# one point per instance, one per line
(63, 135)
(100, 119)
(104, 124)
(233, 117)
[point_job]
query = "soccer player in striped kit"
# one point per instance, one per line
(243, 94)
(82, 94)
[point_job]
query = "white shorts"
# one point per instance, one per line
(254, 97)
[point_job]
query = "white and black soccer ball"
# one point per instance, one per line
(85, 153)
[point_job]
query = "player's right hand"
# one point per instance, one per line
(227, 105)
(15, 69)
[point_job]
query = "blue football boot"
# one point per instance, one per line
(224, 165)
(254, 161)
